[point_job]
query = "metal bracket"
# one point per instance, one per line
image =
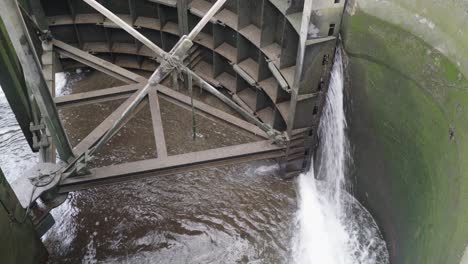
(39, 179)
(82, 163)
(39, 136)
(279, 138)
(46, 36)
(172, 60)
(39, 127)
(39, 144)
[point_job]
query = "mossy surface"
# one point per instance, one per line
(19, 242)
(409, 132)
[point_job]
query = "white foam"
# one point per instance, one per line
(267, 169)
(331, 226)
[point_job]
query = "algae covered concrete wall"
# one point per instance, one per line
(19, 242)
(408, 113)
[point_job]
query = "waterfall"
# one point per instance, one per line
(335, 148)
(331, 226)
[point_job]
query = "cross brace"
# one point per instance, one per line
(170, 61)
(173, 164)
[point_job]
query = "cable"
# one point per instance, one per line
(37, 181)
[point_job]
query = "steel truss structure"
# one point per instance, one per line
(271, 57)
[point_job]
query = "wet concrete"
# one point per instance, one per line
(232, 214)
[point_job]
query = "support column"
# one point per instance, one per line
(13, 84)
(307, 12)
(48, 70)
(182, 8)
(35, 81)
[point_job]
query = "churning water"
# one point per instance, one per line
(232, 214)
(332, 227)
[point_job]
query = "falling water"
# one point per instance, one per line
(332, 227)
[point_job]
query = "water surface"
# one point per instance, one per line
(232, 214)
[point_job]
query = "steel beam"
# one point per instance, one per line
(201, 82)
(130, 77)
(272, 133)
(119, 22)
(170, 94)
(206, 18)
(156, 119)
(172, 60)
(97, 63)
(101, 129)
(167, 93)
(306, 14)
(212, 111)
(109, 67)
(173, 164)
(20, 38)
(130, 105)
(100, 95)
(182, 9)
(278, 76)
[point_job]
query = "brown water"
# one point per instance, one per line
(232, 214)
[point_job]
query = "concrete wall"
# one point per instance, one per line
(19, 242)
(408, 113)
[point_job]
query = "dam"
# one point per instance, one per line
(178, 131)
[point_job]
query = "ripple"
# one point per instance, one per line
(16, 156)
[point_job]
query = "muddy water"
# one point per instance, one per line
(232, 214)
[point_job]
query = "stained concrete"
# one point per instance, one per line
(408, 95)
(19, 242)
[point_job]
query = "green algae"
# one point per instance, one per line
(409, 131)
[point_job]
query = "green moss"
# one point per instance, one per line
(410, 171)
(19, 242)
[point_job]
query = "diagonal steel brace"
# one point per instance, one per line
(274, 134)
(172, 60)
